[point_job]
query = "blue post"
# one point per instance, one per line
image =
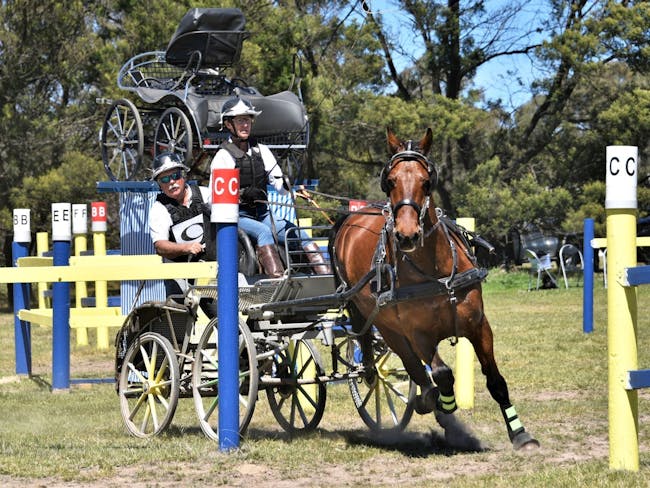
(61, 236)
(22, 292)
(61, 321)
(22, 329)
(225, 212)
(588, 289)
(228, 332)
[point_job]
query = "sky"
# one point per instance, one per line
(507, 78)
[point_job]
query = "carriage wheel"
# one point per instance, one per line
(385, 395)
(298, 402)
(247, 258)
(174, 134)
(205, 379)
(149, 385)
(122, 140)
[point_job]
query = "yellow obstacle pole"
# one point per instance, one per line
(302, 354)
(465, 353)
(306, 222)
(620, 205)
(42, 247)
(98, 227)
(79, 230)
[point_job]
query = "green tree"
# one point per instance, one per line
(588, 41)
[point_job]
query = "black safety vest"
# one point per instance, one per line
(252, 175)
(180, 213)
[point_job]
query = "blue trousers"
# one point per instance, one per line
(258, 224)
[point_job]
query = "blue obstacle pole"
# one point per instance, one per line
(21, 293)
(225, 213)
(588, 290)
(61, 236)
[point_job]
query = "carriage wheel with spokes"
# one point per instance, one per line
(122, 140)
(205, 379)
(174, 134)
(298, 401)
(384, 395)
(149, 385)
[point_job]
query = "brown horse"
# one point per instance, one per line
(423, 284)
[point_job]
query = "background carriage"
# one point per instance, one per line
(180, 93)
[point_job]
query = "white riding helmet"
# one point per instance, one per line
(166, 161)
(237, 106)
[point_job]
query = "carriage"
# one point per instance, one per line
(286, 326)
(180, 92)
(378, 322)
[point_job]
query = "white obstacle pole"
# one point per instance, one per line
(465, 353)
(620, 205)
(79, 231)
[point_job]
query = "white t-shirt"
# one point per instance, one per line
(160, 222)
(224, 160)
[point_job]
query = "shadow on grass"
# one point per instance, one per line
(411, 444)
(40, 381)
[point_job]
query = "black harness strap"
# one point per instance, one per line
(431, 287)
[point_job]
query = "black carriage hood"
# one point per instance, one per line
(281, 112)
(216, 34)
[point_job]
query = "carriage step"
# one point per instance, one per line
(268, 380)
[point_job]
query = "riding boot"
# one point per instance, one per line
(316, 259)
(270, 261)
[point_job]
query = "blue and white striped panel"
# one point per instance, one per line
(281, 211)
(134, 240)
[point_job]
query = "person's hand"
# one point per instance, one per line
(195, 248)
(302, 192)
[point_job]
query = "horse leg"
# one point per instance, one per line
(496, 385)
(436, 385)
(365, 340)
(444, 379)
(425, 402)
(438, 392)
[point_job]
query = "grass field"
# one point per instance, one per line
(557, 377)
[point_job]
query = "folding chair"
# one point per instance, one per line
(540, 266)
(571, 263)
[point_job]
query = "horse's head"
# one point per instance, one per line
(408, 179)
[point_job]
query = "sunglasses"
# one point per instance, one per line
(177, 175)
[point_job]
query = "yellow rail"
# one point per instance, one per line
(601, 242)
(108, 268)
(79, 317)
(97, 268)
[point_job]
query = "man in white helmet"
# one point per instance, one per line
(179, 221)
(257, 169)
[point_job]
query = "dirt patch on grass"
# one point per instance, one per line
(410, 458)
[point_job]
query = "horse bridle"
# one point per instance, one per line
(410, 155)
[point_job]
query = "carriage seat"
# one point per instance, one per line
(282, 112)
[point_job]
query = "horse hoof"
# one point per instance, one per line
(424, 404)
(524, 442)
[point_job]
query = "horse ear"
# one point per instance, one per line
(393, 142)
(427, 140)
